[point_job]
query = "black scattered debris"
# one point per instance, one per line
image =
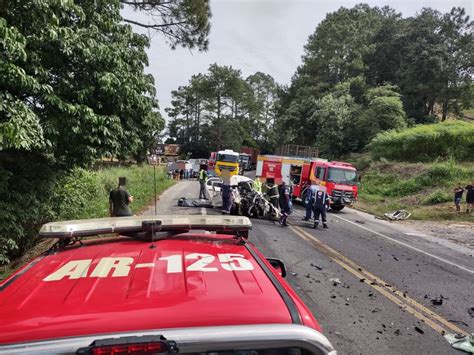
(346, 285)
(395, 257)
(419, 330)
(374, 283)
(335, 282)
(307, 276)
(384, 326)
(359, 269)
(471, 311)
(362, 280)
(358, 221)
(397, 332)
(333, 296)
(405, 294)
(316, 266)
(458, 322)
(371, 294)
(437, 301)
(388, 285)
(375, 310)
(379, 331)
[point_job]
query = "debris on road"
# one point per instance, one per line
(316, 266)
(335, 281)
(360, 222)
(294, 273)
(419, 330)
(399, 215)
(437, 301)
(471, 311)
(396, 259)
(461, 342)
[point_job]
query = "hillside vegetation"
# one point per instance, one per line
(424, 189)
(417, 169)
(449, 139)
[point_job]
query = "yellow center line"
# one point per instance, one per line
(407, 303)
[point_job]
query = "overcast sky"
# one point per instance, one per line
(257, 35)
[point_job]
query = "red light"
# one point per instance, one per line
(131, 349)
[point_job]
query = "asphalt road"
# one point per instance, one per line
(369, 283)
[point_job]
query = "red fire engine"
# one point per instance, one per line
(340, 178)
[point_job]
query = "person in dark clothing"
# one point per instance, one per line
(458, 191)
(321, 200)
(226, 198)
(202, 184)
(285, 203)
(309, 200)
(119, 199)
(470, 197)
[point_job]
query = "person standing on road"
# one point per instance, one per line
(272, 192)
(309, 200)
(458, 191)
(257, 185)
(202, 184)
(321, 200)
(119, 199)
(470, 197)
(285, 203)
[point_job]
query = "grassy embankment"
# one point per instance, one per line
(85, 194)
(417, 169)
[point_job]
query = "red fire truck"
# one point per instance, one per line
(340, 178)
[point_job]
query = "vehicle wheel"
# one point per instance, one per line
(337, 207)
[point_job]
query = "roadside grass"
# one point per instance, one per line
(425, 190)
(85, 194)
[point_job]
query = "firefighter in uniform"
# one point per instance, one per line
(272, 192)
(321, 200)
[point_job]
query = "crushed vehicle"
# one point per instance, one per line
(162, 284)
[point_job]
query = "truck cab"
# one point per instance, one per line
(340, 179)
(227, 160)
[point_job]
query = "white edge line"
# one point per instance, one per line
(407, 245)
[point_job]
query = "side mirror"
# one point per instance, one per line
(278, 265)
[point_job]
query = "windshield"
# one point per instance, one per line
(244, 158)
(342, 176)
(228, 158)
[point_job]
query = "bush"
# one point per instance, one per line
(36, 193)
(437, 196)
(450, 139)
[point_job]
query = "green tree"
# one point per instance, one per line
(383, 112)
(183, 22)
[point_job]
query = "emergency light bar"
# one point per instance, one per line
(95, 226)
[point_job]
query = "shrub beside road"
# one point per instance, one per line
(80, 194)
(424, 189)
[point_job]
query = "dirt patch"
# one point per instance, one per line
(402, 170)
(461, 233)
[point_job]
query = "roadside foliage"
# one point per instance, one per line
(74, 90)
(450, 139)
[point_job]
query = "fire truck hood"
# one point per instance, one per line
(126, 285)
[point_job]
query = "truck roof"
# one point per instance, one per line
(121, 284)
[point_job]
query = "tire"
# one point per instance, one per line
(337, 207)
